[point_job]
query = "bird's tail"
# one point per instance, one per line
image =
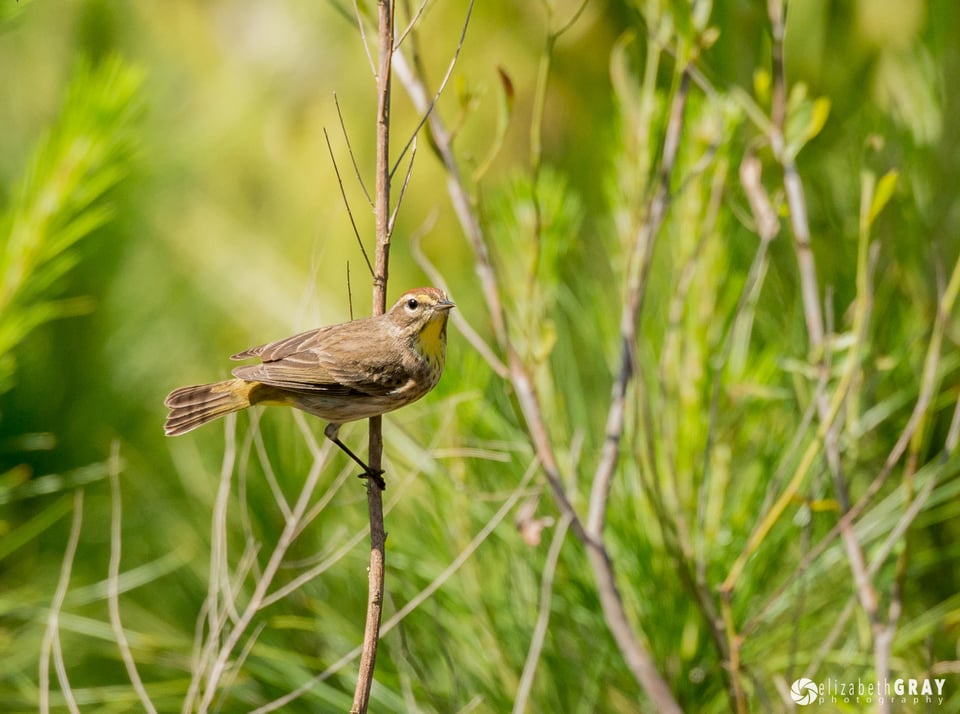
(192, 406)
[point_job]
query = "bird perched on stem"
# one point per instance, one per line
(341, 373)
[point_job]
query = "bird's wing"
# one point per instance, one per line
(321, 360)
(272, 351)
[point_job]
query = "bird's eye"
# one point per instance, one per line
(412, 304)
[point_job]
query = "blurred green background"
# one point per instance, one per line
(168, 199)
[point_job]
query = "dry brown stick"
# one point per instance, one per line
(459, 196)
(425, 594)
(634, 652)
(215, 658)
(378, 535)
(343, 194)
(878, 558)
(638, 267)
(792, 183)
(793, 187)
(465, 328)
(353, 156)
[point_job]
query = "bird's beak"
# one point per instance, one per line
(444, 305)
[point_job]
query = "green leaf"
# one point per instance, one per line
(761, 85)
(62, 198)
(54, 483)
(883, 194)
(818, 117)
(42, 521)
(805, 119)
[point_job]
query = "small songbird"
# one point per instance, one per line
(340, 373)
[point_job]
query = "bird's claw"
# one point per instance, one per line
(376, 475)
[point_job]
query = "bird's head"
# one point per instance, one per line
(422, 312)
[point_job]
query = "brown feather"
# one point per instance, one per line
(340, 373)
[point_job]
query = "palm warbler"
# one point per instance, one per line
(341, 373)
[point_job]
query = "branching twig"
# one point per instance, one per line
(793, 184)
(638, 267)
(353, 223)
(363, 37)
(466, 329)
(218, 653)
(378, 535)
(412, 23)
(353, 156)
(635, 653)
(418, 599)
(428, 109)
(403, 188)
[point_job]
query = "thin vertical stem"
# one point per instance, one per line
(635, 652)
(51, 637)
(378, 536)
(113, 582)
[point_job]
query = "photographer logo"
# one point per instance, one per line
(804, 691)
(905, 692)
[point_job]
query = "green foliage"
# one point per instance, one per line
(728, 484)
(61, 200)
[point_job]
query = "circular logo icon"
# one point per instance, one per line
(804, 691)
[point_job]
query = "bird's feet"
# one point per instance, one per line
(375, 475)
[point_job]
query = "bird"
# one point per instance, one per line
(340, 373)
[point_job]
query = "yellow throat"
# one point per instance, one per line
(432, 339)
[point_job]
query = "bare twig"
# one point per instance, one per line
(814, 317)
(793, 184)
(113, 581)
(219, 654)
(378, 535)
(353, 156)
(363, 37)
(638, 267)
(425, 111)
(278, 496)
(403, 188)
(241, 658)
(421, 597)
(353, 223)
(51, 636)
(412, 23)
(473, 337)
(635, 653)
(543, 618)
(877, 561)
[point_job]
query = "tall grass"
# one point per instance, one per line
(696, 439)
